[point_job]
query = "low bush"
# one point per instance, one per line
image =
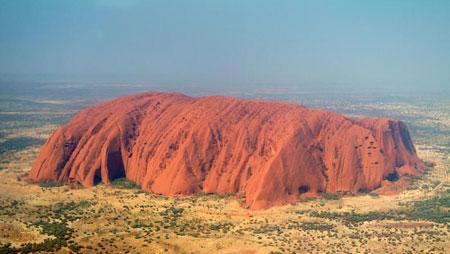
(331, 196)
(50, 184)
(124, 183)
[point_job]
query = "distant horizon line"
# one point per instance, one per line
(123, 80)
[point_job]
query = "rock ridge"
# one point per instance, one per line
(271, 153)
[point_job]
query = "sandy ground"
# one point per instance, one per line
(117, 220)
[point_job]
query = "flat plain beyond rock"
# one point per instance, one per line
(267, 153)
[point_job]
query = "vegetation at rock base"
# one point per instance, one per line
(124, 183)
(331, 196)
(50, 184)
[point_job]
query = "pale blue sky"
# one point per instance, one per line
(367, 44)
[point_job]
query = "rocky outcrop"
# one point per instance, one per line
(269, 152)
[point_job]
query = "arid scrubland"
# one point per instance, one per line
(121, 218)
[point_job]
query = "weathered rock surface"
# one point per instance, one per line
(269, 152)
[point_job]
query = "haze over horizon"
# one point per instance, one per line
(402, 45)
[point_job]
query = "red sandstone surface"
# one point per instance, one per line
(269, 152)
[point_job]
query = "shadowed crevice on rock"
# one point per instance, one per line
(406, 139)
(115, 166)
(392, 177)
(303, 189)
(97, 178)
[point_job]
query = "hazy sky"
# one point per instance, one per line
(370, 44)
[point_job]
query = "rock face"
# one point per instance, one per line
(269, 152)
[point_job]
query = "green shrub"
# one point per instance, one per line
(317, 226)
(353, 218)
(124, 183)
(331, 196)
(433, 209)
(374, 195)
(50, 184)
(19, 143)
